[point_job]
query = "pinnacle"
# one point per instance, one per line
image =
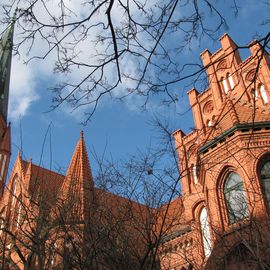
(81, 135)
(78, 185)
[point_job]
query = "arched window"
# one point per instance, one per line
(18, 212)
(225, 85)
(2, 220)
(194, 173)
(235, 198)
(17, 215)
(265, 179)
(231, 82)
(263, 94)
(54, 254)
(14, 190)
(205, 230)
(209, 123)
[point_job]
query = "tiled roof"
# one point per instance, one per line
(173, 215)
(239, 113)
(48, 181)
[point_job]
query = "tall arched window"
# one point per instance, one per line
(231, 82)
(263, 94)
(194, 173)
(265, 179)
(18, 212)
(235, 198)
(2, 220)
(14, 190)
(205, 230)
(225, 85)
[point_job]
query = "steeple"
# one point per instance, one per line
(5, 68)
(78, 187)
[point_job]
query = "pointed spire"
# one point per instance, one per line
(78, 186)
(5, 68)
(79, 167)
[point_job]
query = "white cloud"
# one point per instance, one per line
(25, 78)
(22, 89)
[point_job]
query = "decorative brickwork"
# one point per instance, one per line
(230, 140)
(221, 220)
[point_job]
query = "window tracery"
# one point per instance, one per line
(235, 198)
(265, 180)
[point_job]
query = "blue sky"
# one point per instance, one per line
(119, 129)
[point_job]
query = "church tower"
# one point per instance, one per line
(225, 166)
(5, 68)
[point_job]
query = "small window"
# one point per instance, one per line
(265, 179)
(2, 221)
(225, 85)
(235, 198)
(254, 94)
(194, 172)
(263, 94)
(231, 82)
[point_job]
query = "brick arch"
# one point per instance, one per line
(258, 163)
(251, 74)
(197, 208)
(222, 175)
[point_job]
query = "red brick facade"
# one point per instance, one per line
(225, 167)
(221, 220)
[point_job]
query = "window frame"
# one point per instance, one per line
(206, 238)
(265, 159)
(232, 216)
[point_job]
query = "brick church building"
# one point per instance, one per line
(221, 220)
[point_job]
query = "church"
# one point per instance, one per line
(220, 221)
